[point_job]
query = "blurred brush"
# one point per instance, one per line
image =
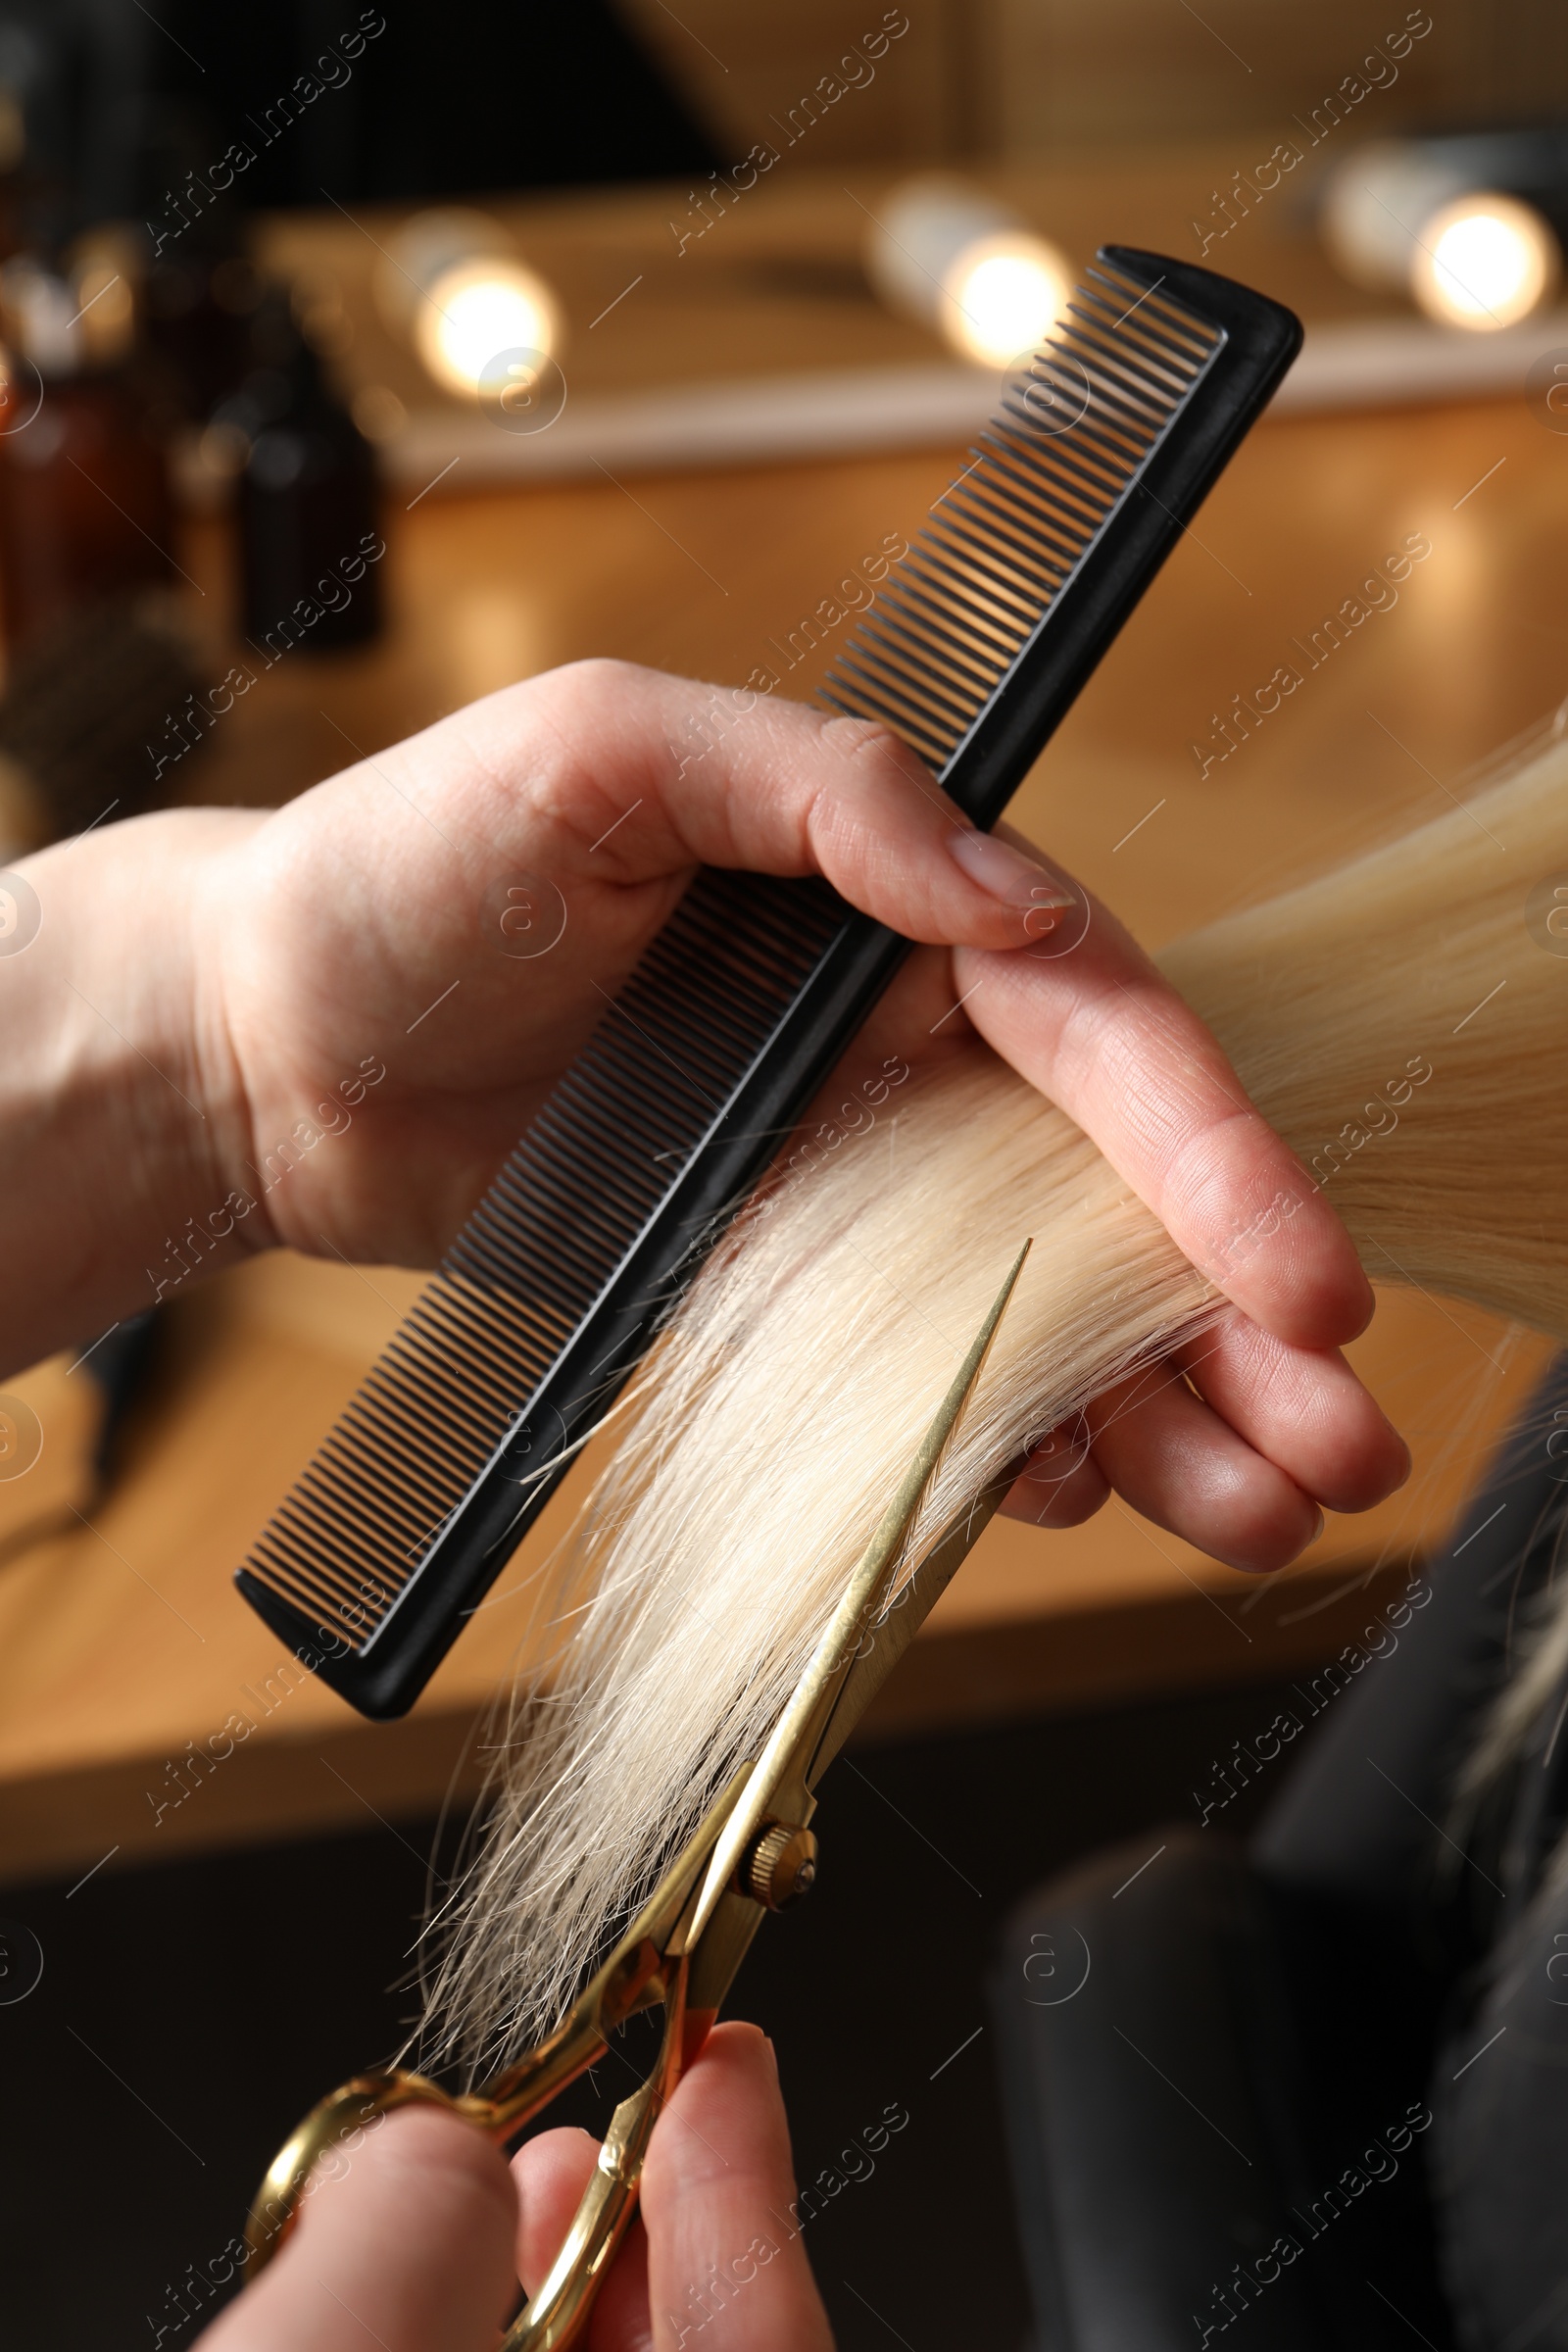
(117, 1367)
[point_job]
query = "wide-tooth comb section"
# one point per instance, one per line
(528, 1265)
(1040, 485)
(976, 646)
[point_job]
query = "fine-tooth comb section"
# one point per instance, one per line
(1073, 430)
(538, 1251)
(977, 642)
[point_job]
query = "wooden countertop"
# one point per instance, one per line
(122, 1642)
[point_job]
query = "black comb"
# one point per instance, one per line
(1106, 443)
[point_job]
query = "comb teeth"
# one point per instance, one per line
(531, 1261)
(1040, 484)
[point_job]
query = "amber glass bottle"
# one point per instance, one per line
(85, 512)
(308, 498)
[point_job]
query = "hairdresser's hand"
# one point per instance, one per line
(326, 1026)
(420, 2244)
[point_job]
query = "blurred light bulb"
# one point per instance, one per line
(40, 318)
(478, 310)
(1001, 296)
(948, 254)
(418, 251)
(1483, 260)
(450, 280)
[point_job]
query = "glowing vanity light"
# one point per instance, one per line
(1483, 261)
(477, 309)
(949, 256)
(1001, 296)
(1423, 218)
(452, 283)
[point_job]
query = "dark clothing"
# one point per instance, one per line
(1314, 2092)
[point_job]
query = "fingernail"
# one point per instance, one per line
(1006, 873)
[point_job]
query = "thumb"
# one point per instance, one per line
(408, 2246)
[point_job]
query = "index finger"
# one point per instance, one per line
(1104, 1034)
(587, 762)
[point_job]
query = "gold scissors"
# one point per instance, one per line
(754, 1852)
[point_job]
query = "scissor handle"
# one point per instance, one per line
(339, 2121)
(557, 2312)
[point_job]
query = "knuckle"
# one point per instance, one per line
(870, 744)
(595, 675)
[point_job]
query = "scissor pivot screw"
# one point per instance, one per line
(781, 1867)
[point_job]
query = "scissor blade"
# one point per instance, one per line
(787, 1766)
(887, 1643)
(886, 1637)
